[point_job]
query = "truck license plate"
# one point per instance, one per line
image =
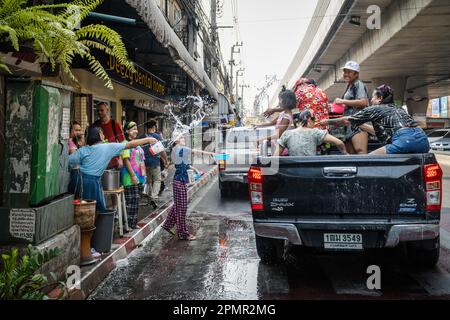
(342, 241)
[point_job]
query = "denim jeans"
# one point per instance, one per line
(409, 140)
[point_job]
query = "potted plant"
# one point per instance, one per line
(19, 276)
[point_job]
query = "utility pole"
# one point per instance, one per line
(214, 41)
(242, 90)
(233, 64)
(242, 94)
(237, 78)
(214, 21)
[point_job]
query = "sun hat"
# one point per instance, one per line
(352, 65)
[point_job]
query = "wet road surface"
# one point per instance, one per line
(223, 264)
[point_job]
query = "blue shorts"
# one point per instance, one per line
(408, 140)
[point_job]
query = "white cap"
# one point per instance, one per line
(352, 65)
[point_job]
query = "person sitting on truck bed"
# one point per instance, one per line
(309, 96)
(285, 119)
(304, 140)
(392, 125)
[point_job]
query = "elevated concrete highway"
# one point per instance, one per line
(410, 52)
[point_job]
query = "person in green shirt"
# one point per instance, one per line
(133, 174)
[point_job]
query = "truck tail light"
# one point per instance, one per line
(222, 165)
(433, 186)
(255, 180)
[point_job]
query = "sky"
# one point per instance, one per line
(271, 32)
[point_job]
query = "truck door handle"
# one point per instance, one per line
(340, 172)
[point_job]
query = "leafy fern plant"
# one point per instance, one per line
(53, 30)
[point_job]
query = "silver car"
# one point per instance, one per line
(241, 149)
(436, 135)
(442, 144)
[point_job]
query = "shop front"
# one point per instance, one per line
(134, 96)
(438, 113)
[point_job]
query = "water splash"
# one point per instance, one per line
(193, 110)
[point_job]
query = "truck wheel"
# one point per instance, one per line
(269, 250)
(424, 253)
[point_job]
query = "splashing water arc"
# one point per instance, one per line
(192, 106)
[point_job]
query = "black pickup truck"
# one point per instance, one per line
(347, 203)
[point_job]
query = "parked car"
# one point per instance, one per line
(442, 144)
(437, 134)
(338, 203)
(241, 150)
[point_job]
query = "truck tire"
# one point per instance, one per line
(269, 250)
(424, 253)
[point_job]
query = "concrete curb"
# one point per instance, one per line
(94, 277)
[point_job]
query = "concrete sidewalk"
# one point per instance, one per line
(149, 222)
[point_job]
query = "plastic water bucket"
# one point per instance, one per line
(103, 234)
(157, 148)
(222, 156)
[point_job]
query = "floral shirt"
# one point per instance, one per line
(311, 97)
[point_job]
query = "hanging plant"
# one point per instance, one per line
(56, 37)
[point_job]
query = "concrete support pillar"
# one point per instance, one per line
(397, 83)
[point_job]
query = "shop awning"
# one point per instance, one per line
(150, 13)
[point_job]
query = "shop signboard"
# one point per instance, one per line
(141, 80)
(435, 108)
(444, 107)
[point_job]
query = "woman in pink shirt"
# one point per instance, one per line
(75, 130)
(287, 102)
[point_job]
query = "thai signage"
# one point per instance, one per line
(438, 108)
(141, 79)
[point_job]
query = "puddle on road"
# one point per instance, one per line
(223, 264)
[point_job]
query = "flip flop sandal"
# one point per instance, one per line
(188, 238)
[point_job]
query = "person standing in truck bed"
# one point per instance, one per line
(304, 140)
(392, 125)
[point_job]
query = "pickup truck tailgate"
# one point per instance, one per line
(345, 185)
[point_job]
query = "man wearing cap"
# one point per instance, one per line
(355, 98)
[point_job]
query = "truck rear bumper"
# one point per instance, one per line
(394, 233)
